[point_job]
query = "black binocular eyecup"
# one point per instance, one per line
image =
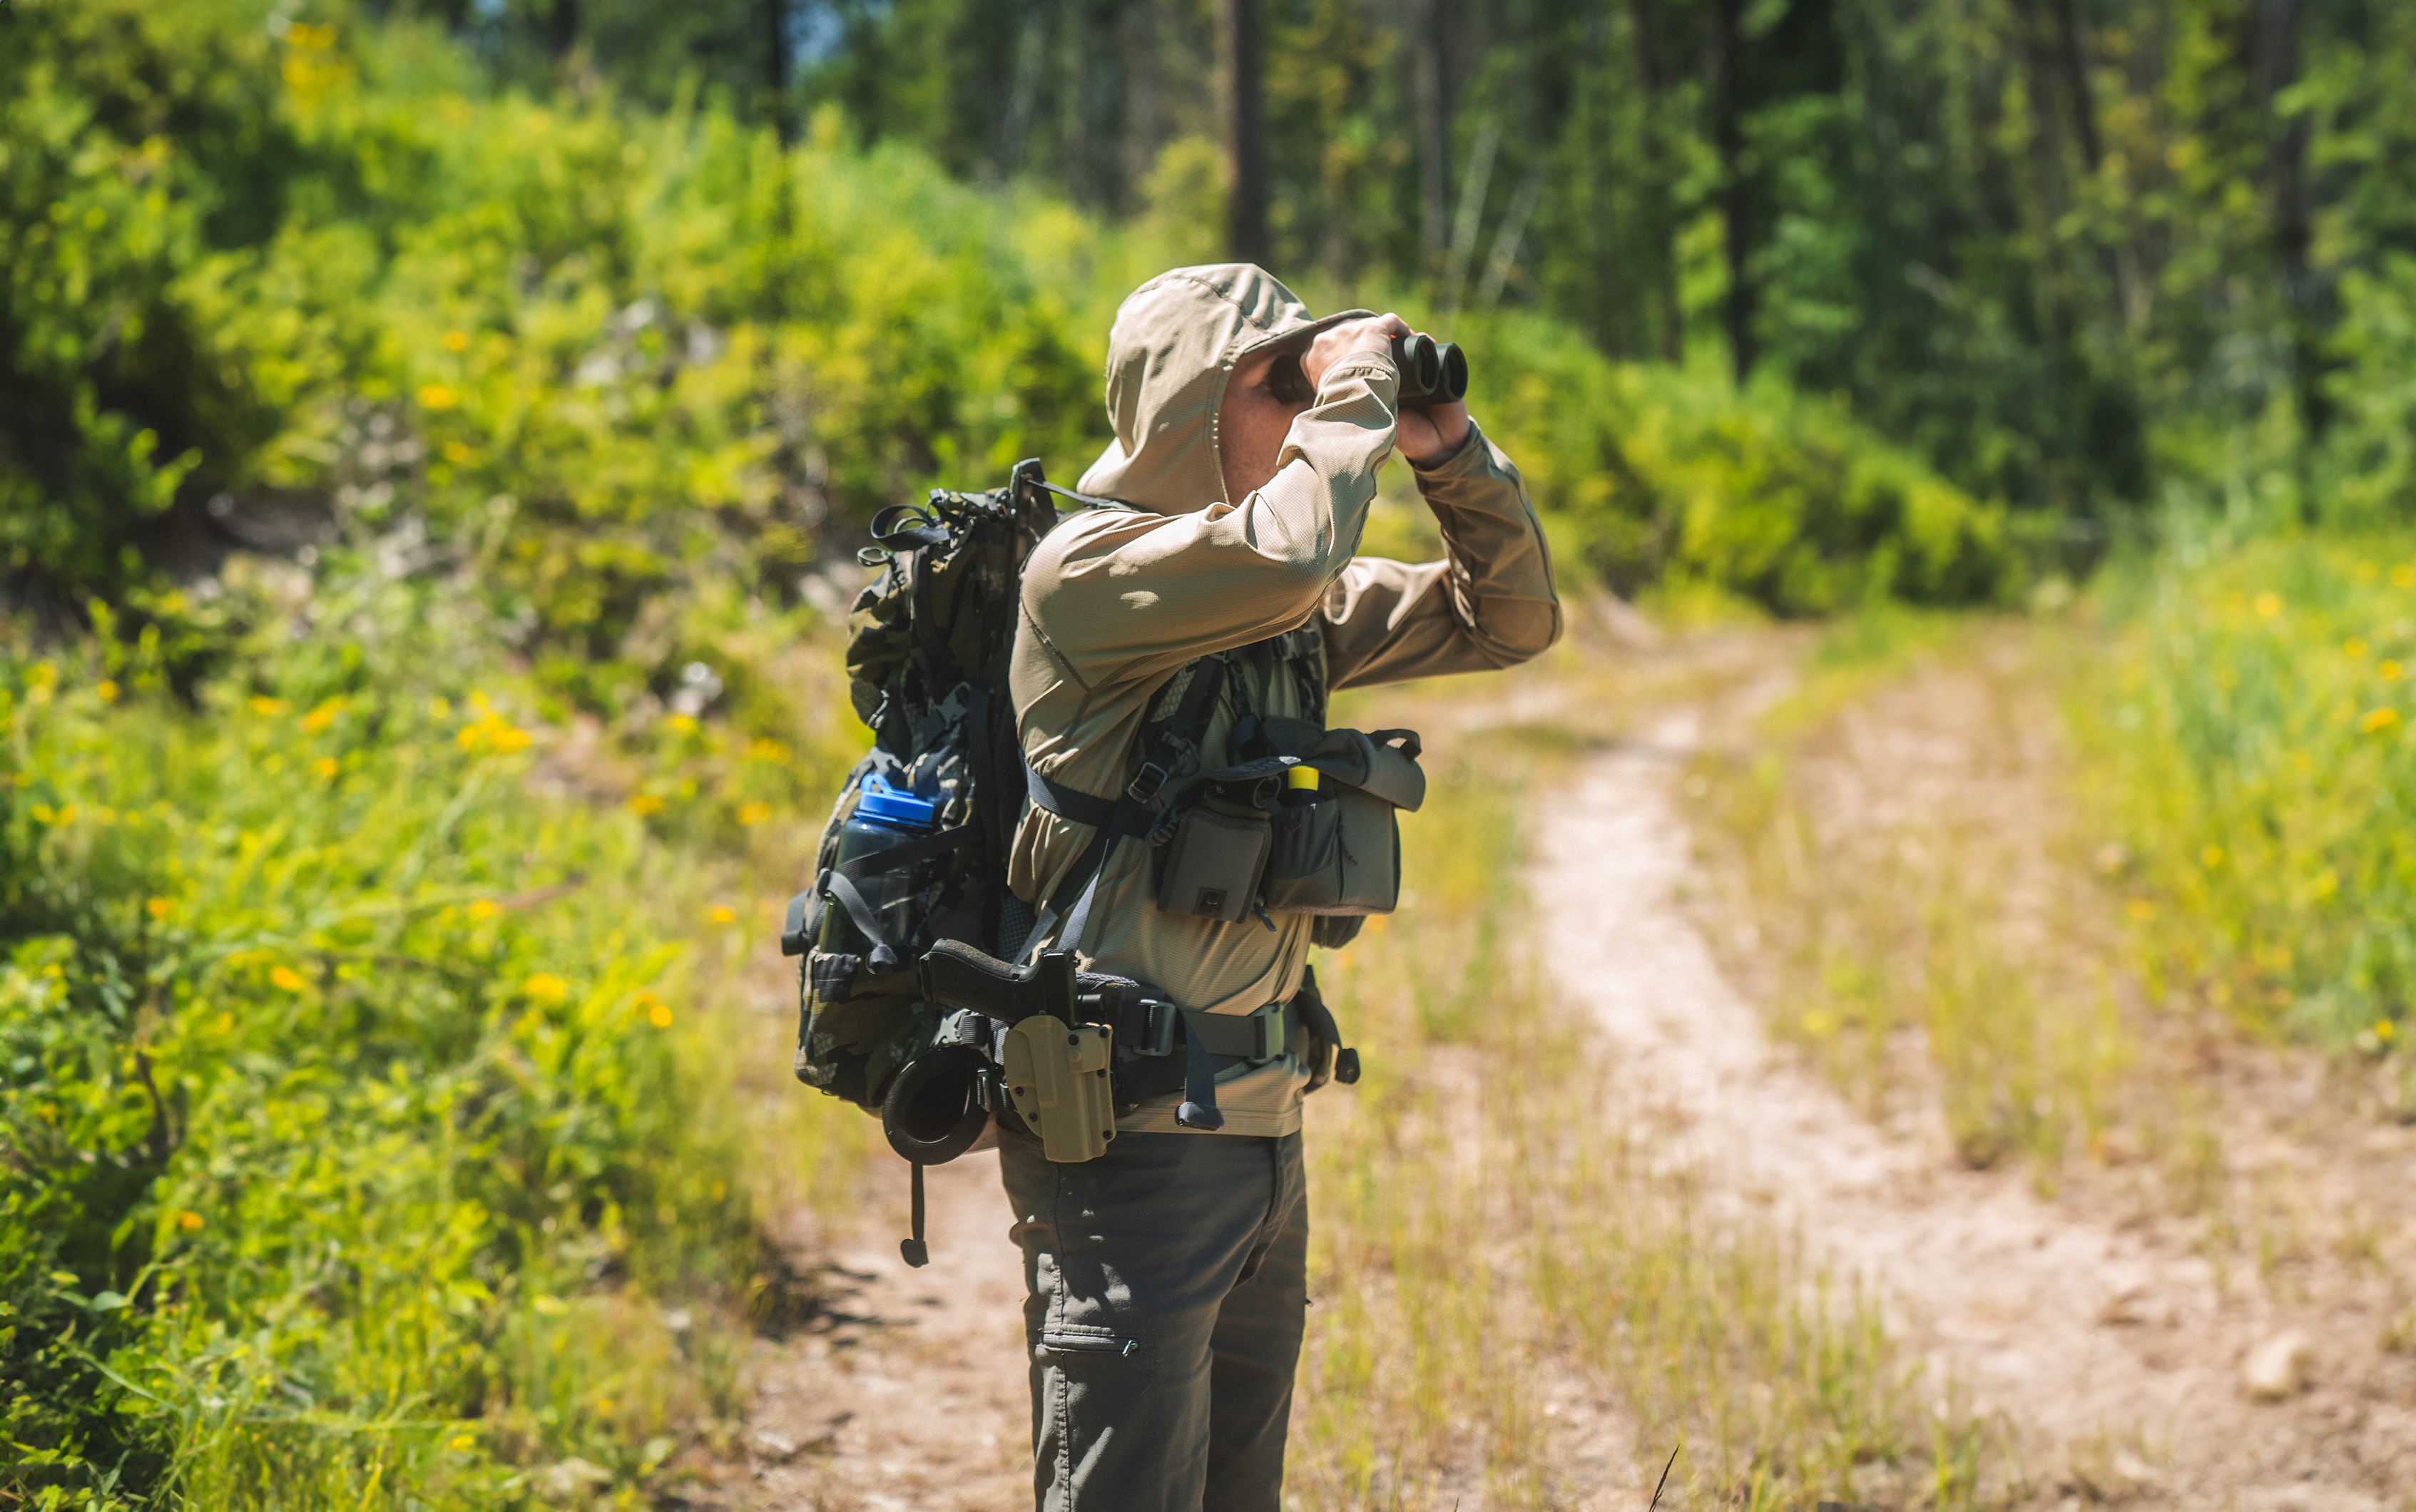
(1431, 372)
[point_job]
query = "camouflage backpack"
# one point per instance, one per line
(927, 663)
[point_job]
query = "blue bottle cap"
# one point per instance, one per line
(882, 801)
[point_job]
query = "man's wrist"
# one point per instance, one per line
(1452, 448)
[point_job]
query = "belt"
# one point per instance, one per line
(1155, 1029)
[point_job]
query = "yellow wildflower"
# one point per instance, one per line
(545, 987)
(457, 340)
(159, 908)
(467, 737)
(2403, 576)
(2269, 605)
(107, 690)
(455, 453)
(485, 908)
(68, 814)
(724, 914)
(289, 980)
(325, 767)
(2353, 647)
(438, 397)
(267, 707)
(646, 802)
(2385, 1030)
(508, 738)
(2139, 908)
(461, 1440)
(2377, 721)
(768, 750)
(439, 708)
(188, 1219)
(2390, 670)
(659, 1014)
(682, 723)
(316, 721)
(754, 813)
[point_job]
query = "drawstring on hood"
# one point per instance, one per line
(1172, 349)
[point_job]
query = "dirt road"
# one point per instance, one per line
(2107, 1338)
(2101, 1333)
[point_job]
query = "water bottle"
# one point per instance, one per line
(884, 816)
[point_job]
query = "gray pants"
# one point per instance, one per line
(1166, 1286)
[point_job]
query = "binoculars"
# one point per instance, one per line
(1431, 373)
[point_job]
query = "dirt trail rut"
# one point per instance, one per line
(2110, 1350)
(910, 1397)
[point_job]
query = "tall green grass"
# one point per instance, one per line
(369, 1046)
(2248, 740)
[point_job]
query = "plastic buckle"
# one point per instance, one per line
(1145, 782)
(1158, 1019)
(1271, 1035)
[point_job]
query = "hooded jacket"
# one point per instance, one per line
(1115, 601)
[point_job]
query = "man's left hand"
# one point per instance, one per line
(1426, 436)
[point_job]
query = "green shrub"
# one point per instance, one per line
(2250, 737)
(361, 1109)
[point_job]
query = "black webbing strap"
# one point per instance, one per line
(1319, 1019)
(1198, 1109)
(1089, 501)
(914, 1251)
(1208, 1037)
(843, 890)
(1067, 803)
(839, 884)
(1125, 815)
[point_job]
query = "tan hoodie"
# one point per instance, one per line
(1116, 601)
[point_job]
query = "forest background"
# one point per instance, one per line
(433, 439)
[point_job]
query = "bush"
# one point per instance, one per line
(2250, 736)
(361, 1107)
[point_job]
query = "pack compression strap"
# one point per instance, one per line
(1124, 816)
(1088, 501)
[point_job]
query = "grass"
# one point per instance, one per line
(1920, 929)
(1516, 1296)
(371, 1047)
(2246, 743)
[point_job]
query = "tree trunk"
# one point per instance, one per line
(562, 28)
(1659, 227)
(1246, 152)
(1736, 192)
(775, 74)
(1602, 230)
(1434, 129)
(2277, 69)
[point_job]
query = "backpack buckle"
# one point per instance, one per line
(1146, 782)
(1158, 1021)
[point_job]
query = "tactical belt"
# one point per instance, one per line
(1151, 1031)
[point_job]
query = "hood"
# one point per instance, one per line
(1175, 344)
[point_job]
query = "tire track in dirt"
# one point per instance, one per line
(2104, 1345)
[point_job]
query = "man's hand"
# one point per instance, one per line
(1424, 436)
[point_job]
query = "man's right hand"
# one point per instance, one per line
(1424, 436)
(1334, 343)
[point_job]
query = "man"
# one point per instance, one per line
(1166, 1282)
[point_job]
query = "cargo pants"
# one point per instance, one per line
(1166, 1289)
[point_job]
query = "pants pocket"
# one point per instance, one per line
(1082, 1341)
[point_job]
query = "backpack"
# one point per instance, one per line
(926, 664)
(907, 1006)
